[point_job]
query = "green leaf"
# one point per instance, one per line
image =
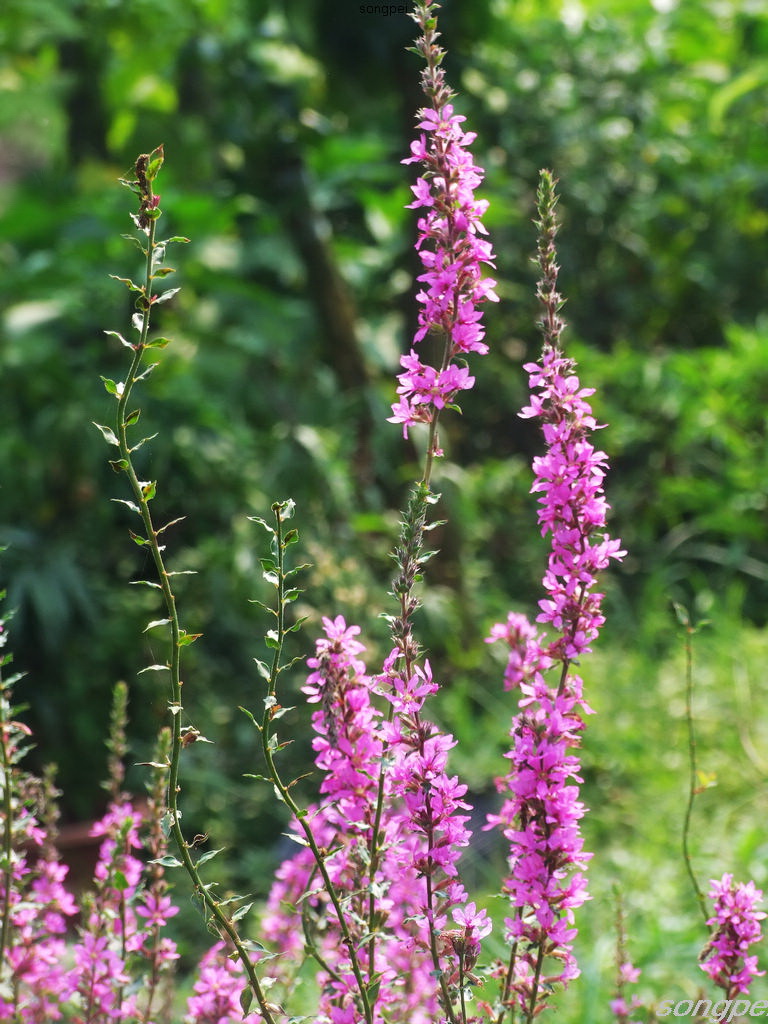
(142, 442)
(129, 504)
(107, 434)
(128, 283)
(296, 838)
(158, 343)
(167, 861)
(164, 272)
(290, 538)
(112, 388)
(240, 913)
(137, 539)
(262, 522)
(132, 417)
(263, 670)
(208, 856)
(285, 509)
(116, 334)
(179, 519)
(246, 998)
(156, 158)
(146, 373)
(272, 639)
(120, 882)
(280, 712)
(148, 487)
(298, 569)
(157, 299)
(188, 638)
(296, 626)
(119, 465)
(156, 622)
(252, 718)
(136, 242)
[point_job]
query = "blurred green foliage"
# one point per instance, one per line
(284, 124)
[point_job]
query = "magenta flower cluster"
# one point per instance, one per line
(450, 246)
(621, 1007)
(393, 862)
(118, 940)
(736, 926)
(541, 814)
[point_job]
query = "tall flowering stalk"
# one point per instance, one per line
(449, 245)
(540, 816)
(392, 817)
(453, 251)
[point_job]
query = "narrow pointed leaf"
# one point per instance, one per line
(129, 504)
(116, 334)
(107, 434)
(156, 622)
(208, 856)
(166, 296)
(188, 638)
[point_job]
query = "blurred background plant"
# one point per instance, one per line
(284, 124)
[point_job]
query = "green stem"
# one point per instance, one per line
(269, 748)
(507, 989)
(223, 923)
(461, 989)
(8, 815)
(535, 988)
(693, 769)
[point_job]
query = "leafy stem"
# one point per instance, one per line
(277, 575)
(146, 168)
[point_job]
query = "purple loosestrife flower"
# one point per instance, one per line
(34, 982)
(736, 926)
(622, 1009)
(450, 244)
(541, 814)
(120, 935)
(217, 990)
(350, 747)
(420, 838)
(430, 805)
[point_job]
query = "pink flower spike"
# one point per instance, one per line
(449, 245)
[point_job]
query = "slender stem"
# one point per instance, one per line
(142, 497)
(269, 748)
(531, 1013)
(461, 989)
(693, 769)
(508, 980)
(8, 816)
